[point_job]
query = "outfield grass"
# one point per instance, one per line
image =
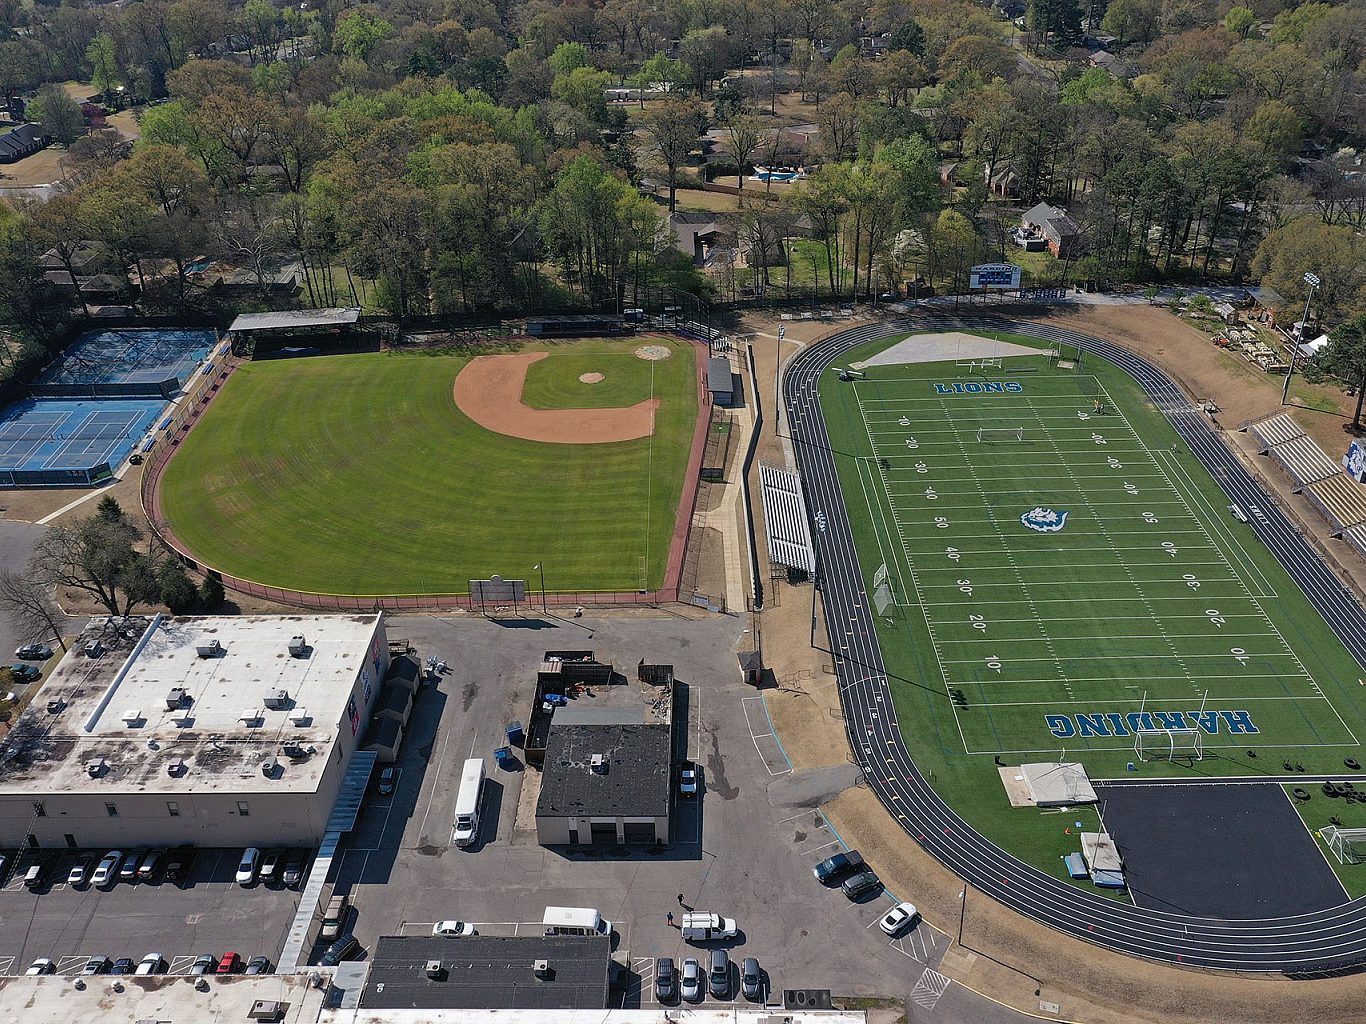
(357, 474)
(1150, 598)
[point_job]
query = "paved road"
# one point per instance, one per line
(16, 545)
(1325, 940)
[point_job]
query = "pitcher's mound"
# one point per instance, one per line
(590, 378)
(653, 352)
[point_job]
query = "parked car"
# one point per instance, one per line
(203, 964)
(128, 869)
(272, 866)
(229, 963)
(34, 652)
(344, 948)
(43, 965)
(294, 868)
(832, 869)
(861, 884)
(387, 779)
(123, 965)
(178, 863)
(107, 871)
(25, 673)
(718, 974)
(35, 875)
(898, 918)
(152, 963)
(334, 917)
(150, 868)
(80, 872)
(453, 928)
(751, 979)
(690, 985)
(258, 965)
(687, 781)
(248, 866)
(666, 979)
(96, 965)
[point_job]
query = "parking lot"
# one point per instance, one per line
(743, 849)
(207, 912)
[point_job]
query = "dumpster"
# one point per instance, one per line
(516, 737)
(505, 758)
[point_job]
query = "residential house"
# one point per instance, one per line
(1003, 180)
(23, 141)
(699, 235)
(1062, 236)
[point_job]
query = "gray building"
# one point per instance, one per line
(488, 972)
(216, 731)
(605, 784)
(720, 380)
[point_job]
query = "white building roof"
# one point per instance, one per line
(295, 318)
(242, 705)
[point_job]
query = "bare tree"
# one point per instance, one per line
(744, 136)
(32, 608)
(672, 128)
(97, 556)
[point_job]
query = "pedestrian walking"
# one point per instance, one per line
(671, 919)
(680, 899)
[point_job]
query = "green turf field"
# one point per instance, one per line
(356, 474)
(553, 383)
(1146, 605)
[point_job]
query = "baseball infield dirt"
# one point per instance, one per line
(489, 391)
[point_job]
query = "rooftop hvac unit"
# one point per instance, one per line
(276, 699)
(175, 698)
(600, 763)
(266, 1009)
(175, 769)
(269, 767)
(541, 968)
(209, 648)
(434, 969)
(297, 646)
(94, 767)
(93, 649)
(55, 705)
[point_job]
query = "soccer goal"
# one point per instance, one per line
(882, 590)
(988, 435)
(1169, 744)
(1348, 845)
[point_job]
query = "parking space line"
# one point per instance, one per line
(7, 964)
(757, 736)
(431, 790)
(70, 963)
(816, 849)
(181, 963)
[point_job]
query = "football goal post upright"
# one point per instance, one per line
(1169, 744)
(989, 435)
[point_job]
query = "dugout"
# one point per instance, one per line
(582, 325)
(257, 335)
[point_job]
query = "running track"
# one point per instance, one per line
(1323, 941)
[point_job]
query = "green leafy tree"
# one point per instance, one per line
(359, 32)
(1345, 359)
(211, 594)
(178, 592)
(1239, 21)
(58, 113)
(1336, 253)
(102, 56)
(908, 36)
(584, 89)
(568, 56)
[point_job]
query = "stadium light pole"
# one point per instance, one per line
(541, 567)
(1312, 280)
(778, 379)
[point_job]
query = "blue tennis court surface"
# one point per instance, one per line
(54, 440)
(132, 361)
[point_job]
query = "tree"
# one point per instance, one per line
(744, 135)
(584, 89)
(1336, 253)
(908, 36)
(661, 69)
(211, 594)
(359, 32)
(104, 65)
(672, 128)
(568, 56)
(98, 557)
(178, 592)
(1239, 21)
(31, 608)
(58, 113)
(1345, 359)
(954, 248)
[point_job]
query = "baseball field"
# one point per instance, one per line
(367, 474)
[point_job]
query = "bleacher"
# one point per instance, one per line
(785, 520)
(1274, 430)
(1303, 461)
(1318, 476)
(1341, 500)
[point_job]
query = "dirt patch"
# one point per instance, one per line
(590, 378)
(489, 391)
(654, 353)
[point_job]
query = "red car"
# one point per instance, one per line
(229, 963)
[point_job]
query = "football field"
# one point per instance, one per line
(1054, 572)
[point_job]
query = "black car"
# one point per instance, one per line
(293, 873)
(123, 965)
(178, 863)
(666, 979)
(344, 948)
(272, 866)
(864, 882)
(258, 965)
(830, 871)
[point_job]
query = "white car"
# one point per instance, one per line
(247, 868)
(898, 918)
(691, 987)
(107, 871)
(152, 963)
(43, 965)
(687, 781)
(453, 928)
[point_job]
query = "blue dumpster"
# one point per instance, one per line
(514, 733)
(505, 758)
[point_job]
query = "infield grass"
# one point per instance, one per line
(1004, 641)
(357, 474)
(553, 383)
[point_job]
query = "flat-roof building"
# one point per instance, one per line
(489, 972)
(217, 731)
(605, 783)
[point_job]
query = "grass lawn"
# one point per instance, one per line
(357, 474)
(1316, 812)
(1150, 599)
(554, 383)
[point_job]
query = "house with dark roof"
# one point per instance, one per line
(1061, 234)
(605, 781)
(488, 972)
(23, 141)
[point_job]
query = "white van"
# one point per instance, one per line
(701, 927)
(466, 828)
(575, 921)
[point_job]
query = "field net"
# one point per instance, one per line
(1169, 744)
(1348, 845)
(990, 435)
(882, 590)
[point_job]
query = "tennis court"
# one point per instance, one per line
(143, 363)
(56, 441)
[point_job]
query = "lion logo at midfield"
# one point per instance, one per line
(1044, 520)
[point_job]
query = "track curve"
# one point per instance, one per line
(1327, 940)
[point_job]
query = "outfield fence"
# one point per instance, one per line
(192, 407)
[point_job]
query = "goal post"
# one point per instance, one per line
(991, 435)
(1348, 845)
(1158, 744)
